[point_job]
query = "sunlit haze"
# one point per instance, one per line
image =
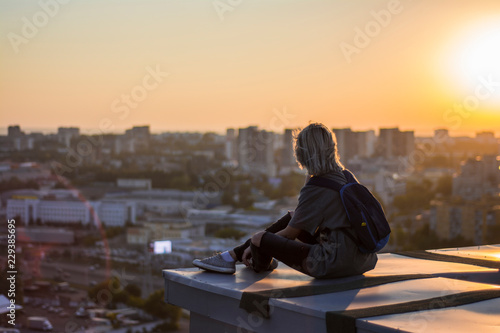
(199, 66)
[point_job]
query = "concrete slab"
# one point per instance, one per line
(214, 299)
(486, 252)
(481, 317)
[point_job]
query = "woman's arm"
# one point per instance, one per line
(289, 232)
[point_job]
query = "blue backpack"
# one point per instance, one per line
(363, 210)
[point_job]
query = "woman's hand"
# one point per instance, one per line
(247, 255)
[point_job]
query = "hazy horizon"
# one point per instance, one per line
(53, 130)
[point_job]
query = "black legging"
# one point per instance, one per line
(288, 251)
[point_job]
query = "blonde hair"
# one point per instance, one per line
(315, 149)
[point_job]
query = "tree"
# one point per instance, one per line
(227, 197)
(135, 302)
(156, 306)
(245, 199)
(15, 183)
(106, 291)
(423, 239)
(59, 185)
(164, 327)
(290, 185)
(229, 232)
(18, 220)
(121, 297)
(444, 185)
(438, 161)
(114, 321)
(112, 232)
(66, 254)
(133, 290)
(417, 196)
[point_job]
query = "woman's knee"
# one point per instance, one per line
(256, 239)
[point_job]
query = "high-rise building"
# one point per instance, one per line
(441, 143)
(138, 132)
(346, 143)
(247, 138)
(287, 155)
(14, 131)
(136, 138)
(256, 151)
(486, 137)
(441, 135)
(477, 177)
(393, 143)
(468, 219)
(18, 140)
(352, 144)
(231, 148)
(366, 143)
(65, 134)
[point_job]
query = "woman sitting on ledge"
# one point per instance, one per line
(316, 238)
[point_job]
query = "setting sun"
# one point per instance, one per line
(481, 54)
(475, 58)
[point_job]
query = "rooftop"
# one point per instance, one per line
(437, 290)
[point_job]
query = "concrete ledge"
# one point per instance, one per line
(214, 299)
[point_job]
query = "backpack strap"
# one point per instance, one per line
(333, 185)
(324, 182)
(349, 176)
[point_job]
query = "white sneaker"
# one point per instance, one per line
(216, 264)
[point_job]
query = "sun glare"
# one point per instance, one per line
(475, 58)
(481, 56)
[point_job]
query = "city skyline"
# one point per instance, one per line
(189, 66)
(281, 130)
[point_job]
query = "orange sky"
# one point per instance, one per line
(234, 66)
